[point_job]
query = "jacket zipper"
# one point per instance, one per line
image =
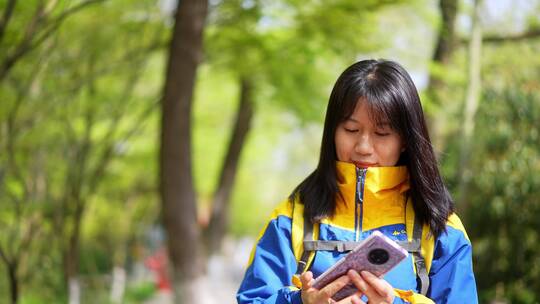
(360, 181)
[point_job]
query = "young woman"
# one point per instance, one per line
(377, 171)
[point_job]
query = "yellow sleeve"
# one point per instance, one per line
(411, 297)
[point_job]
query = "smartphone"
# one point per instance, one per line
(377, 254)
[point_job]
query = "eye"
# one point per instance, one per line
(383, 130)
(351, 130)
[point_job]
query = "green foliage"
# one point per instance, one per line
(313, 40)
(291, 51)
(140, 292)
(67, 104)
(503, 196)
(216, 97)
(88, 85)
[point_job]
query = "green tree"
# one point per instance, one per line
(85, 89)
(503, 156)
(505, 187)
(175, 170)
(254, 41)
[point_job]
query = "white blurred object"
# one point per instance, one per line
(74, 291)
(118, 284)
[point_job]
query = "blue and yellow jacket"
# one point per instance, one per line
(372, 199)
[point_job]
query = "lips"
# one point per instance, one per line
(364, 164)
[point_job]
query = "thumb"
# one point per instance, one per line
(307, 280)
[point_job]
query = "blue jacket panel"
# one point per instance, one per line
(268, 277)
(381, 205)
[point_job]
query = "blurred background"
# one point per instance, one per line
(127, 123)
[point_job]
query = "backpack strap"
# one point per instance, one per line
(308, 237)
(340, 246)
(310, 246)
(419, 261)
(302, 230)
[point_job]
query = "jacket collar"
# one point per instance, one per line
(377, 178)
(379, 182)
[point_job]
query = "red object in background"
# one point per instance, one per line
(158, 264)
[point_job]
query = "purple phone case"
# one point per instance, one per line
(358, 260)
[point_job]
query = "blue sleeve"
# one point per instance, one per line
(268, 276)
(451, 274)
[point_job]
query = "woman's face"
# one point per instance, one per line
(361, 141)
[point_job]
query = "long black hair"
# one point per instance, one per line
(390, 95)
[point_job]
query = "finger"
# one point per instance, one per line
(381, 286)
(307, 280)
(355, 299)
(357, 280)
(329, 290)
(362, 285)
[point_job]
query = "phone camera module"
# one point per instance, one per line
(378, 256)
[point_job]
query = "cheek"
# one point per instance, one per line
(390, 151)
(396, 152)
(343, 149)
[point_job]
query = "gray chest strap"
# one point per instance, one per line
(413, 247)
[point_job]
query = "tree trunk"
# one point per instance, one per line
(6, 16)
(445, 41)
(118, 284)
(443, 51)
(471, 105)
(176, 180)
(72, 257)
(74, 289)
(220, 208)
(120, 251)
(13, 282)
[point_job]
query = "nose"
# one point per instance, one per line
(364, 146)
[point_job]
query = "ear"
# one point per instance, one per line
(403, 147)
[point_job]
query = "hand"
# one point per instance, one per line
(377, 290)
(311, 295)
